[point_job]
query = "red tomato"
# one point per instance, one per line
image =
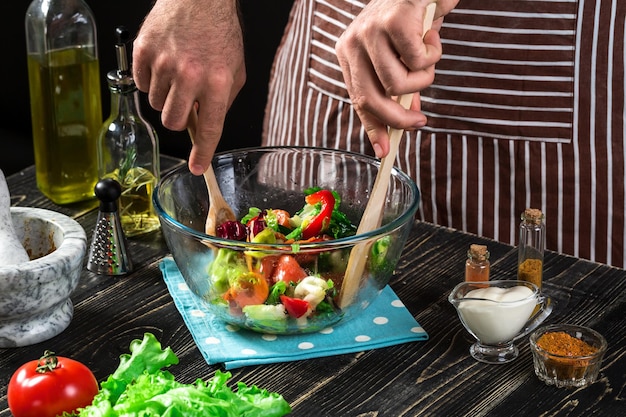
(268, 263)
(50, 386)
(296, 307)
(288, 269)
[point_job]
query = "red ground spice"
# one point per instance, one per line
(562, 344)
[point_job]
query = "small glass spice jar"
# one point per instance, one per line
(532, 242)
(477, 265)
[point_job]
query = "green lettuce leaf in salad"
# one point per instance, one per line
(264, 316)
(276, 291)
(252, 213)
(379, 255)
(340, 225)
(227, 265)
(141, 387)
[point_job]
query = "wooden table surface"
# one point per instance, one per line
(435, 377)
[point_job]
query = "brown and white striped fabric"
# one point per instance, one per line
(527, 110)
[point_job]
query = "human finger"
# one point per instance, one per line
(141, 67)
(403, 56)
(374, 107)
(208, 133)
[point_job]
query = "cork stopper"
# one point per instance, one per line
(532, 216)
(478, 252)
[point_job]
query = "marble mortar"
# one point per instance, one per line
(35, 302)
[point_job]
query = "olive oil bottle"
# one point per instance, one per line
(128, 148)
(65, 98)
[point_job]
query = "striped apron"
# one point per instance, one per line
(526, 110)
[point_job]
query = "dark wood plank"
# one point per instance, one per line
(435, 377)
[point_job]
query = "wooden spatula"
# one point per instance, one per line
(219, 210)
(372, 215)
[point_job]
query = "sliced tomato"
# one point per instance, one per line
(248, 289)
(296, 307)
(268, 264)
(288, 269)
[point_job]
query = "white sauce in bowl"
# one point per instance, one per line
(496, 315)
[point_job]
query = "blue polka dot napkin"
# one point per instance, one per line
(385, 322)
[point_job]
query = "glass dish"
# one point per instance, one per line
(571, 369)
(497, 313)
(275, 177)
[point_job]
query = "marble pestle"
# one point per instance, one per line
(11, 249)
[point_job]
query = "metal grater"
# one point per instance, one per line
(108, 252)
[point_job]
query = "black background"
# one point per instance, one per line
(263, 21)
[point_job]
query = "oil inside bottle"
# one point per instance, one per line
(136, 212)
(66, 116)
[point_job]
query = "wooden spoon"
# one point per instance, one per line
(219, 210)
(372, 215)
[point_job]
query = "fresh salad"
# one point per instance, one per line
(273, 291)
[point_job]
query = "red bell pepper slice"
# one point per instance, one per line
(320, 222)
(296, 307)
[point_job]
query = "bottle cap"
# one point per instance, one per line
(532, 216)
(479, 252)
(121, 79)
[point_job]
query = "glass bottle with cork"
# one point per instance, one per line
(128, 147)
(532, 242)
(477, 266)
(65, 98)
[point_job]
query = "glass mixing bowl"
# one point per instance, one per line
(274, 178)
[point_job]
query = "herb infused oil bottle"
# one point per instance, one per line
(128, 148)
(65, 99)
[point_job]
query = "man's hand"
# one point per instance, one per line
(188, 53)
(385, 53)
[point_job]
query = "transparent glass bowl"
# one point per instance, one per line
(570, 371)
(275, 177)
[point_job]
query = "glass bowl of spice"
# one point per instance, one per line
(567, 355)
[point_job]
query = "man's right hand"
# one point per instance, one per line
(188, 53)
